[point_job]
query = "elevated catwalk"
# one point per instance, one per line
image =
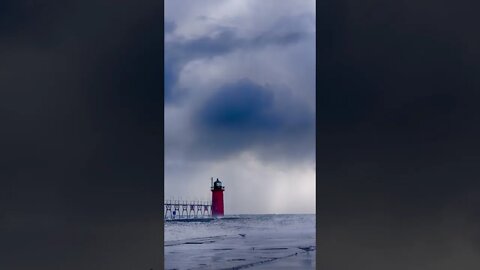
(187, 211)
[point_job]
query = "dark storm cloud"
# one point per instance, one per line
(246, 116)
(239, 106)
(81, 118)
(397, 144)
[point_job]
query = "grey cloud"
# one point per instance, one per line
(278, 39)
(225, 40)
(287, 30)
(180, 52)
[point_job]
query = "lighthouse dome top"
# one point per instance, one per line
(217, 185)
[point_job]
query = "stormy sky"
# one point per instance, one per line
(398, 135)
(81, 134)
(240, 103)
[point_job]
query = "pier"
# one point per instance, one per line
(185, 210)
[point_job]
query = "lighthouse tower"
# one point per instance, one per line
(217, 198)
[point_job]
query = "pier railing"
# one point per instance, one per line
(175, 209)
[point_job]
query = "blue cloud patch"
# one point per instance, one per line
(246, 116)
(239, 106)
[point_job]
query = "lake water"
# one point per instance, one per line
(245, 241)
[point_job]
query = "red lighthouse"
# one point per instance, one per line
(217, 198)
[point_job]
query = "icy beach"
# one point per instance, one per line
(249, 241)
